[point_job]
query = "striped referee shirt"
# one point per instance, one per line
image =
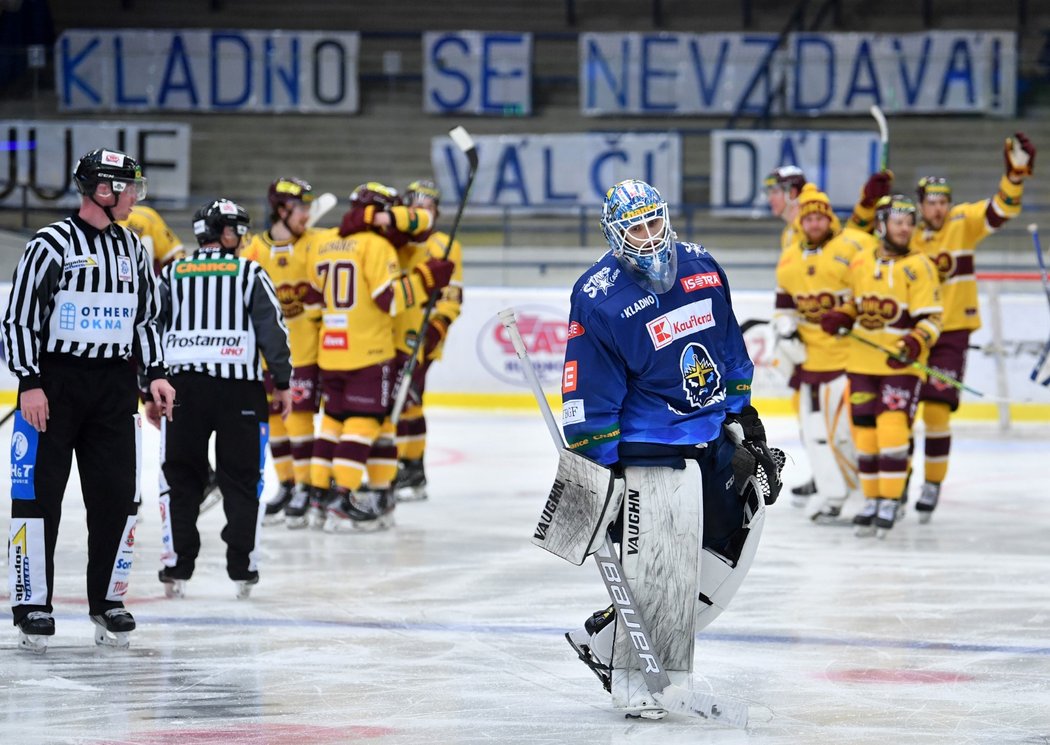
(220, 316)
(86, 294)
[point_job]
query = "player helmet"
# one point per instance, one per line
(893, 204)
(210, 220)
(113, 166)
(650, 253)
(933, 186)
(785, 178)
(422, 193)
(288, 189)
(373, 194)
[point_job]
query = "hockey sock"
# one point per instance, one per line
(867, 442)
(893, 433)
(411, 433)
(382, 460)
(355, 443)
(323, 452)
(300, 426)
(935, 414)
(280, 448)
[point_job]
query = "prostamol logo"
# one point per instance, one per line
(684, 321)
(547, 515)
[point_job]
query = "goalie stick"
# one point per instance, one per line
(884, 137)
(465, 143)
(671, 697)
(1034, 230)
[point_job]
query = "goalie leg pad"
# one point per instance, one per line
(660, 553)
(826, 437)
(583, 502)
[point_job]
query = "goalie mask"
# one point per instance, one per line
(636, 224)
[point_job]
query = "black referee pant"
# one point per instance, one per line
(236, 411)
(93, 406)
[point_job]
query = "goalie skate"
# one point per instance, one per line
(113, 628)
(35, 631)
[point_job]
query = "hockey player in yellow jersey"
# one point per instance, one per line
(412, 426)
(281, 251)
(159, 239)
(948, 234)
(812, 278)
(784, 186)
(894, 301)
(357, 289)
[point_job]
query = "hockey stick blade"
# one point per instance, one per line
(465, 142)
(884, 136)
(320, 207)
(699, 705)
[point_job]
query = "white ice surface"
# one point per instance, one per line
(448, 629)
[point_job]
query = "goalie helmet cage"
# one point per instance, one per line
(993, 287)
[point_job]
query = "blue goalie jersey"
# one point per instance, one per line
(641, 367)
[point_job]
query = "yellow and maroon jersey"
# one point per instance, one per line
(356, 290)
(285, 262)
(450, 301)
(952, 250)
(811, 281)
(160, 240)
(889, 298)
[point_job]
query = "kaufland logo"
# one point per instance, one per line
(684, 321)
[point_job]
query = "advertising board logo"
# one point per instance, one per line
(544, 330)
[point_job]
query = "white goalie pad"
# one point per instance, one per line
(583, 502)
(828, 440)
(720, 577)
(660, 554)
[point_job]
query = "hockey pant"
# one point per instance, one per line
(826, 436)
(235, 411)
(93, 412)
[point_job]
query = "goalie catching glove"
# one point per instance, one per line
(755, 464)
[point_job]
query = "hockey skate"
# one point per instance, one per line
(113, 628)
(584, 644)
(800, 494)
(411, 483)
(363, 511)
(173, 588)
(927, 503)
(244, 587)
(35, 631)
(295, 510)
(275, 507)
(317, 511)
(212, 496)
(830, 513)
(864, 521)
(886, 516)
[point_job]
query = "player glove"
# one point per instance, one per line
(1019, 154)
(436, 331)
(435, 273)
(909, 348)
(835, 322)
(877, 186)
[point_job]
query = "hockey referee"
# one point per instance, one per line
(84, 301)
(220, 317)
